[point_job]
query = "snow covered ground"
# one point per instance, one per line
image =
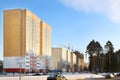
(69, 76)
(24, 78)
(81, 76)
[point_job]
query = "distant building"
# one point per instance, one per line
(65, 60)
(72, 62)
(27, 41)
(59, 57)
(79, 61)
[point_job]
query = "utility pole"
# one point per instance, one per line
(19, 61)
(20, 44)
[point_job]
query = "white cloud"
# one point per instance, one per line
(111, 8)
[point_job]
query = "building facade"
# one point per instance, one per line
(67, 61)
(79, 61)
(59, 59)
(46, 46)
(24, 41)
(72, 62)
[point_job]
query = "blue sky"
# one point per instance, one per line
(74, 22)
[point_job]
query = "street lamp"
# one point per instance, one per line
(19, 62)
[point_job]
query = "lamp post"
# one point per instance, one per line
(20, 66)
(20, 45)
(19, 62)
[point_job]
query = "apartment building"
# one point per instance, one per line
(26, 40)
(46, 46)
(79, 61)
(72, 62)
(59, 58)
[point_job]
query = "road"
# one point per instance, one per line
(116, 78)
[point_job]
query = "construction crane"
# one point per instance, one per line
(68, 47)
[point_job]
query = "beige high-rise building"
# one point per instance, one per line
(46, 39)
(24, 40)
(59, 56)
(46, 45)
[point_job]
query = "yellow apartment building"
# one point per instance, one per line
(24, 40)
(46, 45)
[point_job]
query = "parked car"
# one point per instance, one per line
(115, 74)
(44, 73)
(56, 77)
(3, 73)
(118, 74)
(36, 74)
(109, 75)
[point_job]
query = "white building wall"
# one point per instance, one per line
(69, 57)
(14, 62)
(74, 58)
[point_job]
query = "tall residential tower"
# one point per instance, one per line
(46, 40)
(24, 41)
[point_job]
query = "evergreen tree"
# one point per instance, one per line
(110, 61)
(118, 60)
(1, 66)
(94, 49)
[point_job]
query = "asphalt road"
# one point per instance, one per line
(116, 78)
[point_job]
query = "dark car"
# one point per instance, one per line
(56, 77)
(109, 75)
(118, 74)
(52, 77)
(36, 74)
(44, 73)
